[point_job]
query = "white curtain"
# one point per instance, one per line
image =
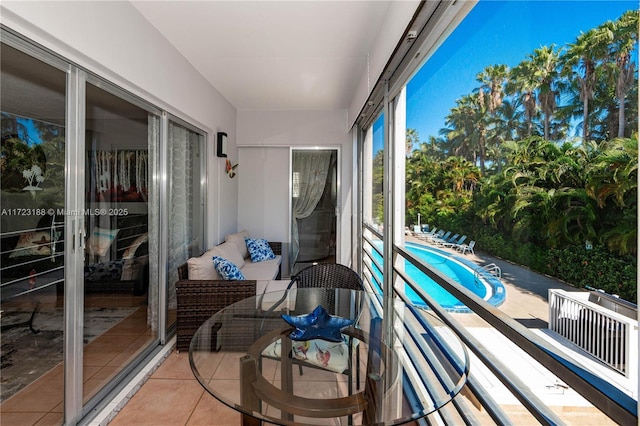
(180, 204)
(153, 130)
(310, 169)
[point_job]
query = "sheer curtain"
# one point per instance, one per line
(310, 170)
(180, 204)
(153, 131)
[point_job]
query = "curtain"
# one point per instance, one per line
(180, 204)
(310, 169)
(153, 134)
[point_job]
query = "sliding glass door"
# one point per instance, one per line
(84, 227)
(118, 192)
(32, 197)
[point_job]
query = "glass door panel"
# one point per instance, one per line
(118, 324)
(32, 198)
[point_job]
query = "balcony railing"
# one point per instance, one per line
(609, 336)
(610, 400)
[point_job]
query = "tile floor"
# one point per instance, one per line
(172, 396)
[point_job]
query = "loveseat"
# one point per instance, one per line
(201, 291)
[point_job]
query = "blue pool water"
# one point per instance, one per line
(459, 270)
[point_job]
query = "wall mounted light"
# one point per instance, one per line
(222, 145)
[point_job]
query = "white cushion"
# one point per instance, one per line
(201, 268)
(229, 251)
(238, 240)
(265, 270)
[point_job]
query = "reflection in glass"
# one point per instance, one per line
(32, 259)
(117, 325)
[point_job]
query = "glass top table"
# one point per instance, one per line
(244, 356)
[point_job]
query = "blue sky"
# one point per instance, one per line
(496, 32)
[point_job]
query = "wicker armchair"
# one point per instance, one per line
(198, 300)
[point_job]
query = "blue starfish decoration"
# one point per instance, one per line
(317, 325)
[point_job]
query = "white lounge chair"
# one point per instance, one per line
(464, 248)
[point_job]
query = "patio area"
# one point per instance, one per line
(172, 395)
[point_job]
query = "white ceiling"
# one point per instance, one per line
(274, 55)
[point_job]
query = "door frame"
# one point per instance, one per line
(339, 207)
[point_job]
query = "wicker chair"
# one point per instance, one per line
(325, 276)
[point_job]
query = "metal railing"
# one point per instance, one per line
(609, 336)
(491, 268)
(615, 404)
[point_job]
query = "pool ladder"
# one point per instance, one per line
(491, 268)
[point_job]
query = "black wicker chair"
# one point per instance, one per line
(325, 277)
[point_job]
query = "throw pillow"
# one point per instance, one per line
(100, 240)
(133, 247)
(228, 250)
(226, 269)
(238, 240)
(201, 267)
(259, 249)
(32, 244)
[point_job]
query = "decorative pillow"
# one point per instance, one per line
(100, 240)
(33, 244)
(226, 269)
(131, 250)
(201, 267)
(328, 355)
(229, 250)
(259, 249)
(238, 240)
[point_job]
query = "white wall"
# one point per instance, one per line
(112, 40)
(398, 17)
(264, 141)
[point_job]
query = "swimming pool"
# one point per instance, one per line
(462, 271)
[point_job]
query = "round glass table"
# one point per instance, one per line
(369, 369)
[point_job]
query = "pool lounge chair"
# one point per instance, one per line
(443, 238)
(450, 239)
(464, 248)
(455, 244)
(426, 235)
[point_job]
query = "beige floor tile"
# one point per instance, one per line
(20, 419)
(175, 366)
(161, 402)
(210, 411)
(40, 396)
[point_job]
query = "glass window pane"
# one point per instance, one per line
(32, 277)
(118, 320)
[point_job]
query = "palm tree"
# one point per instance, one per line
(522, 84)
(623, 41)
(545, 63)
(468, 123)
(412, 139)
(580, 63)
